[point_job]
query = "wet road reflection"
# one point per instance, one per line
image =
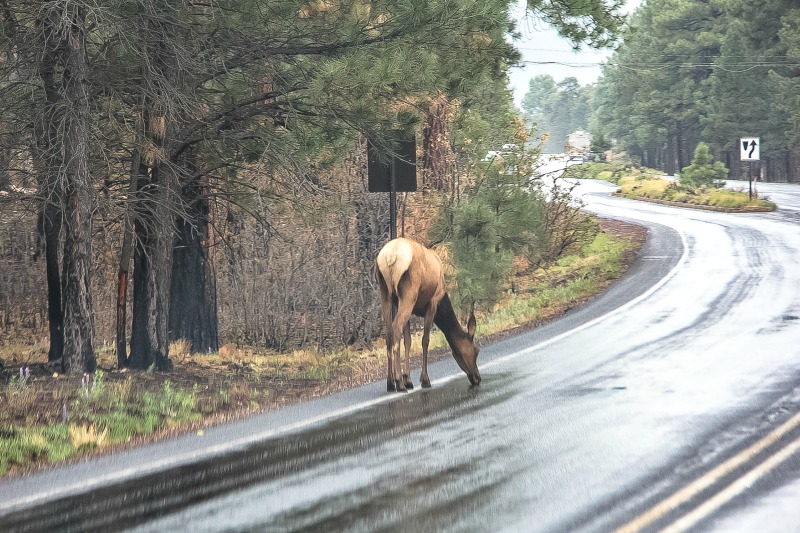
(579, 429)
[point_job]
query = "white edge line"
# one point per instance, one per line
(218, 449)
(601, 318)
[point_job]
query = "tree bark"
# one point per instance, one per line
(436, 149)
(152, 264)
(50, 229)
(79, 353)
(126, 253)
(680, 148)
(193, 302)
(154, 223)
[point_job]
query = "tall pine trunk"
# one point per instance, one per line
(48, 144)
(152, 259)
(156, 185)
(193, 301)
(50, 229)
(77, 258)
(65, 185)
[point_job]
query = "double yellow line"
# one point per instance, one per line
(708, 507)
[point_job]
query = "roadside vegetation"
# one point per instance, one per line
(50, 417)
(700, 185)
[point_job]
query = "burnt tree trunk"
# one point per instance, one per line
(125, 256)
(5, 160)
(193, 301)
(151, 272)
(159, 29)
(50, 230)
(50, 159)
(79, 353)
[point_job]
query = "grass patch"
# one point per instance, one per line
(571, 280)
(664, 190)
(97, 414)
(612, 172)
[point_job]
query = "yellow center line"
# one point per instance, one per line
(732, 490)
(660, 510)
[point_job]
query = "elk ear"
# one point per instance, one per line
(471, 325)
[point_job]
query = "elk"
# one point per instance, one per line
(411, 280)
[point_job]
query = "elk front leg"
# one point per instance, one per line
(424, 380)
(406, 361)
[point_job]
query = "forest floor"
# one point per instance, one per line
(226, 386)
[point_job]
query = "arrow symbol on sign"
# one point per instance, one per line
(752, 147)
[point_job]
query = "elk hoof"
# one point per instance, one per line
(426, 383)
(407, 380)
(390, 386)
(400, 386)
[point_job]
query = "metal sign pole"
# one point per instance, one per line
(750, 150)
(392, 201)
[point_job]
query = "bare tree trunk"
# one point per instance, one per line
(193, 302)
(5, 160)
(78, 313)
(154, 225)
(49, 144)
(680, 148)
(126, 253)
(50, 229)
(152, 261)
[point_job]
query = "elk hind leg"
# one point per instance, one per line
(386, 311)
(404, 308)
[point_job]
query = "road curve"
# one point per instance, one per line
(590, 423)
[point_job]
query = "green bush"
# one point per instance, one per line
(704, 172)
(611, 172)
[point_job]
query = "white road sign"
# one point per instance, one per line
(750, 148)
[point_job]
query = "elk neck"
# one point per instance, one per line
(446, 320)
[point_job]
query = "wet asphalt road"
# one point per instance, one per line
(654, 403)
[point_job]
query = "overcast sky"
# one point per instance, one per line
(545, 52)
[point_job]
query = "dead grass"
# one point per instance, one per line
(241, 380)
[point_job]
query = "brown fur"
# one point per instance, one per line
(411, 278)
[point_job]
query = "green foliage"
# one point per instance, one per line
(612, 172)
(689, 70)
(570, 279)
(596, 22)
(501, 217)
(486, 120)
(704, 172)
(660, 189)
(101, 413)
(21, 446)
(600, 143)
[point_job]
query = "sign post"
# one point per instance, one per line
(750, 150)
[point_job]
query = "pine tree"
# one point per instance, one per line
(704, 172)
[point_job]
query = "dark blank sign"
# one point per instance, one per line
(403, 160)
